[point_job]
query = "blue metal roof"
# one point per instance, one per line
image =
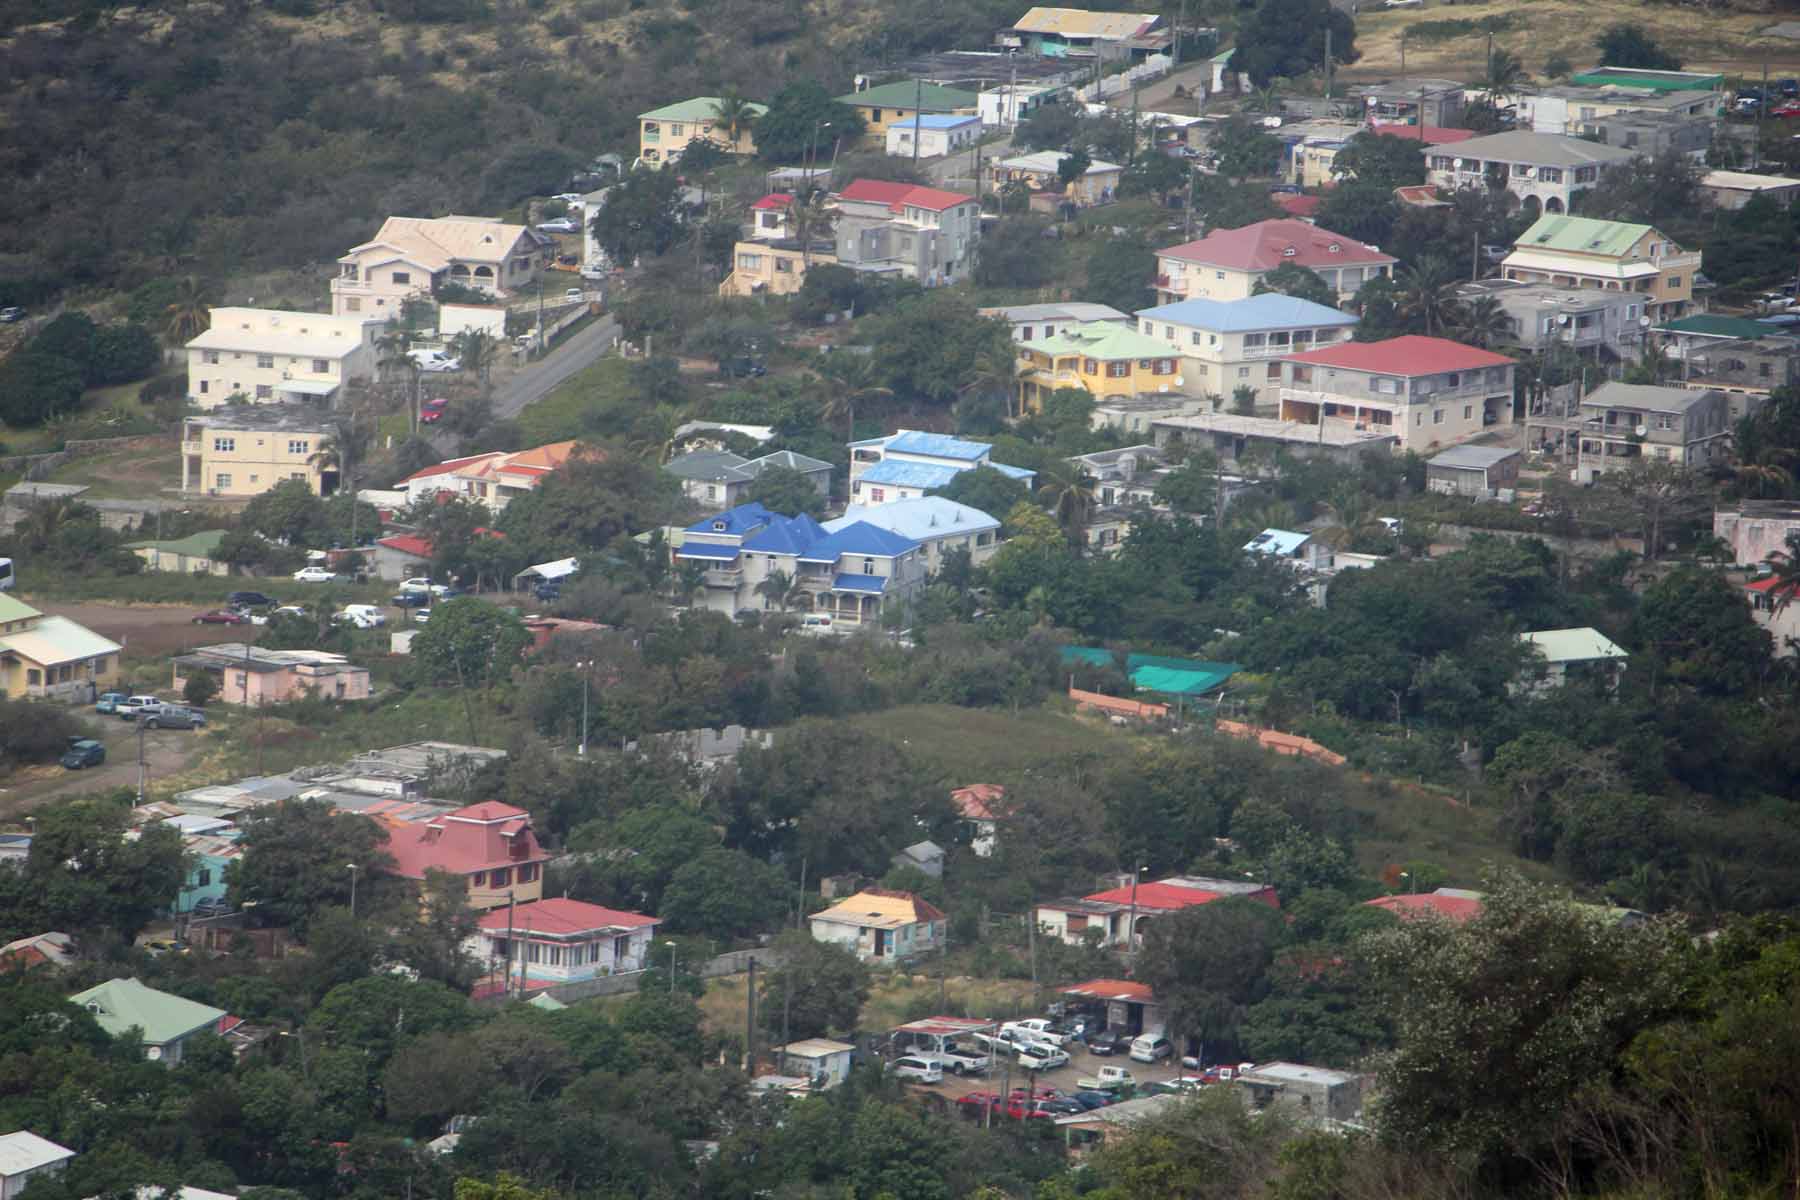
(1271, 310)
(1012, 472)
(706, 550)
(1283, 542)
(930, 121)
(744, 519)
(895, 473)
(859, 538)
(937, 445)
(847, 582)
(786, 535)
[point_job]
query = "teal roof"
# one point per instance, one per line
(907, 94)
(194, 545)
(1159, 673)
(1716, 325)
(700, 108)
(1107, 340)
(1583, 235)
(1656, 81)
(121, 1005)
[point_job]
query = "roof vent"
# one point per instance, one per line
(1335, 248)
(1288, 252)
(718, 527)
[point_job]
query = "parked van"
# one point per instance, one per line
(1151, 1047)
(362, 616)
(921, 1068)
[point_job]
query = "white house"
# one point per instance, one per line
(1228, 344)
(937, 135)
(563, 941)
(881, 926)
(1776, 609)
(908, 464)
(824, 1062)
(1544, 170)
(1299, 550)
(1038, 322)
(24, 1156)
(1570, 653)
(936, 524)
(267, 354)
(412, 256)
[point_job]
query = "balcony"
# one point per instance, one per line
(723, 577)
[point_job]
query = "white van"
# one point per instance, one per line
(362, 616)
(922, 1068)
(1150, 1048)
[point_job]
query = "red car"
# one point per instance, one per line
(1020, 1110)
(221, 616)
(1790, 108)
(433, 411)
(973, 1103)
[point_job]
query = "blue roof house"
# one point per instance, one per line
(1228, 344)
(910, 464)
(937, 524)
(850, 572)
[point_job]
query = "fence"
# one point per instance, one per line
(1153, 67)
(734, 963)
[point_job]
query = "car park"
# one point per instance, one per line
(314, 575)
(1092, 1100)
(920, 1068)
(108, 702)
(961, 1061)
(222, 616)
(83, 752)
(1038, 1057)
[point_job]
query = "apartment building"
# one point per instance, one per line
(663, 133)
(1227, 264)
(1581, 252)
(1576, 109)
(244, 450)
(1747, 370)
(266, 355)
(1107, 360)
(1586, 320)
(411, 256)
(1544, 170)
(1228, 344)
(1426, 391)
(920, 233)
(1625, 423)
(910, 463)
(1415, 101)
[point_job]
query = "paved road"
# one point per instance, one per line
(956, 170)
(1192, 76)
(534, 382)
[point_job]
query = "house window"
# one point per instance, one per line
(528, 872)
(877, 495)
(1665, 421)
(265, 361)
(1218, 274)
(205, 387)
(221, 481)
(1118, 370)
(298, 446)
(1089, 367)
(500, 877)
(749, 262)
(1194, 338)
(475, 880)
(352, 304)
(868, 566)
(712, 492)
(1468, 412)
(1437, 416)
(1164, 366)
(675, 130)
(784, 266)
(321, 366)
(209, 356)
(1243, 372)
(264, 391)
(402, 276)
(1674, 281)
(224, 445)
(1550, 174)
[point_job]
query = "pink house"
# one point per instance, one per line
(250, 675)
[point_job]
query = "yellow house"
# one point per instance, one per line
(1614, 256)
(770, 268)
(896, 103)
(1106, 359)
(52, 657)
(244, 450)
(195, 554)
(663, 133)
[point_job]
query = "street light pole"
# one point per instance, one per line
(671, 946)
(584, 707)
(352, 868)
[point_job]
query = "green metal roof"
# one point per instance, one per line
(1104, 340)
(1658, 81)
(1159, 673)
(1583, 235)
(908, 94)
(1715, 325)
(194, 545)
(121, 1005)
(15, 610)
(700, 108)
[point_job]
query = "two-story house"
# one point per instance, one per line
(1413, 102)
(1544, 170)
(1576, 109)
(1228, 344)
(775, 266)
(563, 941)
(50, 657)
(938, 525)
(885, 105)
(1586, 320)
(1426, 391)
(491, 845)
(771, 218)
(1041, 172)
(1618, 256)
(920, 233)
(910, 463)
(881, 926)
(719, 478)
(1081, 33)
(1104, 359)
(1227, 264)
(266, 354)
(663, 133)
(1757, 529)
(495, 478)
(851, 574)
(1624, 423)
(1747, 370)
(244, 450)
(1035, 322)
(411, 256)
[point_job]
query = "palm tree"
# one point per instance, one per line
(1504, 73)
(1349, 515)
(733, 115)
(856, 376)
(478, 351)
(1264, 99)
(779, 588)
(1763, 466)
(996, 371)
(188, 315)
(1068, 492)
(1482, 322)
(1784, 567)
(813, 216)
(390, 350)
(690, 582)
(1425, 292)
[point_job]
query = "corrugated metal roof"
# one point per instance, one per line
(1573, 645)
(700, 108)
(1271, 310)
(1583, 235)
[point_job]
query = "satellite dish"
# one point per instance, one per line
(153, 1053)
(1643, 322)
(1641, 430)
(1562, 318)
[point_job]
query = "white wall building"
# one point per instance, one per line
(266, 354)
(937, 135)
(908, 464)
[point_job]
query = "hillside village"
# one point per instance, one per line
(1028, 603)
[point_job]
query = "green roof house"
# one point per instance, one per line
(894, 103)
(164, 1022)
(1583, 252)
(191, 555)
(663, 133)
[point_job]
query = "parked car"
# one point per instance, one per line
(222, 616)
(288, 610)
(11, 313)
(314, 575)
(432, 411)
(1787, 108)
(1037, 1057)
(962, 1061)
(170, 716)
(1092, 1100)
(422, 585)
(157, 947)
(1107, 1079)
(108, 702)
(434, 361)
(574, 295)
(83, 752)
(211, 906)
(249, 600)
(559, 225)
(1108, 1041)
(412, 599)
(921, 1068)
(130, 707)
(1063, 1106)
(1021, 1109)
(975, 1102)
(1151, 1047)
(547, 591)
(361, 616)
(1041, 1030)
(421, 615)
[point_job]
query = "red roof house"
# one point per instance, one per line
(490, 844)
(980, 802)
(562, 941)
(1227, 264)
(1410, 355)
(900, 196)
(774, 200)
(1118, 913)
(1430, 135)
(1304, 208)
(1426, 391)
(1454, 904)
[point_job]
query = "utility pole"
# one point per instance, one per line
(1475, 255)
(512, 905)
(750, 1022)
(919, 118)
(1762, 106)
(1180, 24)
(1187, 208)
(142, 765)
(1328, 60)
(540, 283)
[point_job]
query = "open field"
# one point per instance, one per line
(153, 472)
(895, 998)
(1732, 42)
(971, 745)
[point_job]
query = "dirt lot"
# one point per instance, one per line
(1063, 1079)
(157, 629)
(166, 751)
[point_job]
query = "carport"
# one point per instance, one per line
(1130, 1007)
(930, 1035)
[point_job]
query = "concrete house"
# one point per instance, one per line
(490, 844)
(266, 354)
(48, 657)
(1119, 915)
(1040, 172)
(1227, 264)
(1237, 440)
(1301, 551)
(1413, 102)
(983, 807)
(1035, 322)
(191, 555)
(411, 256)
(563, 941)
(1757, 529)
(1581, 252)
(937, 525)
(1544, 170)
(823, 1062)
(496, 478)
(1747, 370)
(774, 266)
(1577, 109)
(244, 450)
(1473, 470)
(1312, 1095)
(881, 926)
(908, 464)
(1426, 391)
(1107, 360)
(663, 133)
(1585, 319)
(936, 135)
(888, 104)
(208, 855)
(164, 1022)
(920, 233)
(1774, 607)
(252, 676)
(1228, 344)
(851, 574)
(1623, 423)
(1734, 189)
(24, 1156)
(1573, 654)
(719, 479)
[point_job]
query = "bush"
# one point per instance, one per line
(201, 687)
(32, 731)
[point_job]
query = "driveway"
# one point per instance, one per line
(1192, 76)
(537, 380)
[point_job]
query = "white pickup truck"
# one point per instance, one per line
(1037, 1030)
(1106, 1079)
(959, 1060)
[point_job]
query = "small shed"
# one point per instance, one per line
(1473, 470)
(546, 572)
(23, 1156)
(1315, 1095)
(826, 1063)
(926, 856)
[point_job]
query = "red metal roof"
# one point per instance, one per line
(774, 200)
(477, 838)
(979, 801)
(1269, 244)
(1407, 355)
(899, 195)
(944, 1026)
(1456, 908)
(1432, 135)
(1113, 989)
(408, 543)
(1423, 195)
(564, 916)
(1769, 585)
(449, 465)
(1157, 895)
(1297, 206)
